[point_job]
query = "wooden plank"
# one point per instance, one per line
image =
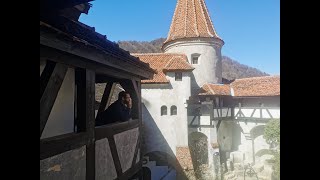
(50, 92)
(115, 156)
(56, 145)
(81, 62)
(90, 124)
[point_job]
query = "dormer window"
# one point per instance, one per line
(178, 76)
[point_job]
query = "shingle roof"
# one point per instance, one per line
(246, 87)
(82, 33)
(191, 19)
(163, 62)
(257, 86)
(215, 89)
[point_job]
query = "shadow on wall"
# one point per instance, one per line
(257, 131)
(159, 150)
(236, 136)
(194, 85)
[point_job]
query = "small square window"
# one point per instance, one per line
(178, 76)
(195, 60)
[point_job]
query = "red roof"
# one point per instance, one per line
(163, 62)
(257, 86)
(191, 19)
(246, 87)
(215, 89)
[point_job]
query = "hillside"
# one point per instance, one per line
(231, 69)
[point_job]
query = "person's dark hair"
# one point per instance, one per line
(122, 94)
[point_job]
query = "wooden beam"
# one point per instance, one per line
(218, 125)
(50, 91)
(93, 54)
(90, 123)
(85, 81)
(81, 62)
(107, 94)
(111, 129)
(201, 126)
(269, 113)
(59, 144)
(136, 150)
(258, 120)
(222, 118)
(45, 75)
(254, 110)
(115, 156)
(135, 87)
(140, 123)
(194, 117)
(130, 172)
(80, 79)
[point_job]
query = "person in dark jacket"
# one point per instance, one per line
(119, 111)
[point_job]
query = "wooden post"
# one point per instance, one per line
(50, 83)
(137, 87)
(90, 124)
(261, 106)
(108, 91)
(85, 80)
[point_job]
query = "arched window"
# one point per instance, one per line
(163, 110)
(173, 110)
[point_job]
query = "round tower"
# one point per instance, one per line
(192, 33)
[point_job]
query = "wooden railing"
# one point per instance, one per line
(109, 130)
(232, 113)
(240, 114)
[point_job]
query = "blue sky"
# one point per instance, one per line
(249, 28)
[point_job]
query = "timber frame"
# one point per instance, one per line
(94, 61)
(220, 113)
